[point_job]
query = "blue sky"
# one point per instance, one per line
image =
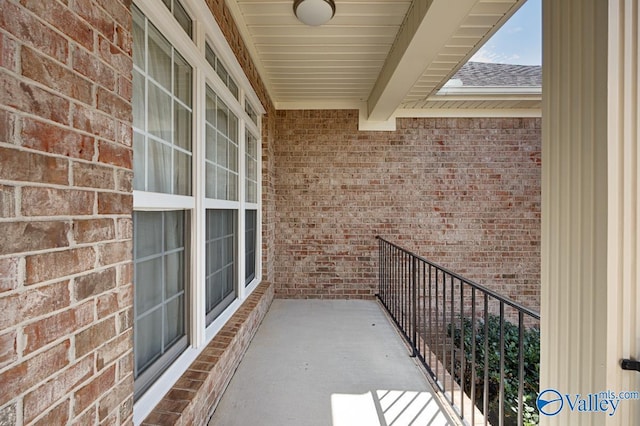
(519, 41)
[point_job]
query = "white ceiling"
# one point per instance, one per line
(378, 55)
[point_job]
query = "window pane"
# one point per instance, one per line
(220, 69)
(138, 161)
(232, 157)
(174, 273)
(138, 37)
(211, 181)
(148, 241)
(182, 127)
(212, 144)
(222, 118)
(159, 57)
(148, 345)
(159, 166)
(182, 75)
(251, 173)
(211, 107)
(251, 192)
(159, 113)
(159, 292)
(233, 128)
(250, 235)
(251, 169)
(221, 183)
(174, 231)
(210, 56)
(138, 100)
(222, 72)
(182, 17)
(233, 189)
(162, 96)
(182, 173)
(220, 268)
(174, 318)
(148, 276)
(180, 14)
(233, 87)
(221, 152)
(251, 112)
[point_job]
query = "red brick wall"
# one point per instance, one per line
(462, 192)
(65, 207)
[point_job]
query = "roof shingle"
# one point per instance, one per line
(480, 74)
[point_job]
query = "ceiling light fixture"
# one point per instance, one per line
(314, 12)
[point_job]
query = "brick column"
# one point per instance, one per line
(66, 289)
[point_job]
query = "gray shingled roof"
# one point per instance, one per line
(480, 74)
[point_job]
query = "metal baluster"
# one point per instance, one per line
(414, 302)
(473, 356)
(403, 280)
(501, 398)
(462, 350)
(444, 331)
(520, 368)
(485, 402)
(453, 352)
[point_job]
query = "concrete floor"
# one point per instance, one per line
(327, 363)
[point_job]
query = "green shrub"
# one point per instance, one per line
(476, 336)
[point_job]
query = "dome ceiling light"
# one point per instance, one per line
(314, 12)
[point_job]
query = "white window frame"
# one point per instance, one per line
(205, 28)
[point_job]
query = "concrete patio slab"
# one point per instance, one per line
(338, 363)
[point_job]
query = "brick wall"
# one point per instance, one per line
(462, 192)
(65, 204)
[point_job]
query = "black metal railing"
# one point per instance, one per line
(480, 348)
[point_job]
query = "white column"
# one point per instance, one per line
(574, 202)
(591, 209)
(623, 297)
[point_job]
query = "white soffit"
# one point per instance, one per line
(376, 56)
(483, 20)
(339, 61)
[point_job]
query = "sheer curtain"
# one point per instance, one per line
(162, 105)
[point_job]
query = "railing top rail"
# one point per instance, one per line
(475, 285)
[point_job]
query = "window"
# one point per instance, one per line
(161, 113)
(180, 14)
(251, 215)
(159, 308)
(221, 264)
(251, 162)
(215, 62)
(251, 112)
(196, 193)
(222, 150)
(250, 233)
